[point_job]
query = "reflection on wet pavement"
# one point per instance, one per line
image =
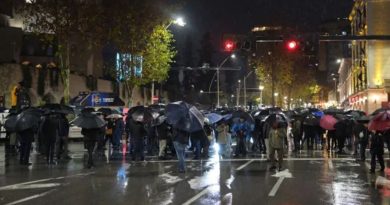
(329, 178)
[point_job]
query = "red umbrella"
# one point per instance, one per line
(327, 122)
(381, 121)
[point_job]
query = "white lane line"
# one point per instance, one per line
(330, 164)
(196, 197)
(31, 197)
(244, 165)
(30, 186)
(276, 187)
(42, 180)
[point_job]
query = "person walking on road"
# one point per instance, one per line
(377, 150)
(361, 135)
(138, 133)
(222, 139)
(63, 135)
(239, 130)
(117, 133)
(49, 130)
(162, 134)
(26, 139)
(276, 137)
(181, 140)
(90, 139)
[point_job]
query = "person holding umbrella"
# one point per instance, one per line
(26, 126)
(239, 129)
(181, 140)
(377, 150)
(118, 132)
(63, 134)
(362, 135)
(49, 130)
(138, 133)
(91, 126)
(276, 137)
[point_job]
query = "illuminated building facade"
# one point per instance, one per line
(370, 66)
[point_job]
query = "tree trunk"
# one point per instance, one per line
(64, 55)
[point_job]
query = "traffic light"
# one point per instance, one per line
(292, 45)
(229, 45)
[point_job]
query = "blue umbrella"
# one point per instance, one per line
(184, 116)
(318, 113)
(227, 117)
(214, 117)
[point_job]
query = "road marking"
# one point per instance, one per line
(330, 164)
(10, 187)
(244, 165)
(31, 197)
(196, 197)
(30, 186)
(276, 187)
(281, 175)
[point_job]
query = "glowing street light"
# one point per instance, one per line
(179, 21)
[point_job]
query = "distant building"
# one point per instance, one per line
(369, 83)
(24, 56)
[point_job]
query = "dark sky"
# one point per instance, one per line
(239, 16)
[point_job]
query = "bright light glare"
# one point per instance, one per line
(233, 56)
(216, 147)
(180, 21)
(338, 60)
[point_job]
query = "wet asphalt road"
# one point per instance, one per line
(310, 177)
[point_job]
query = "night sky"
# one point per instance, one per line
(239, 16)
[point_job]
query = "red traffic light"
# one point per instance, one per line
(229, 45)
(292, 45)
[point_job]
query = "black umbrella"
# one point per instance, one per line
(108, 111)
(88, 121)
(311, 120)
(280, 118)
(88, 110)
(28, 118)
(157, 110)
(58, 108)
(10, 123)
(333, 111)
(140, 114)
(244, 115)
(184, 116)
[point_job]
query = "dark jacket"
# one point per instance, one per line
(162, 131)
(137, 130)
(91, 134)
(181, 136)
(361, 133)
(340, 129)
(377, 144)
(50, 126)
(63, 129)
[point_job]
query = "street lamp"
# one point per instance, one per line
(232, 56)
(261, 88)
(180, 22)
(245, 86)
(335, 89)
(238, 93)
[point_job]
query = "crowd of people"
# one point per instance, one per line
(270, 134)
